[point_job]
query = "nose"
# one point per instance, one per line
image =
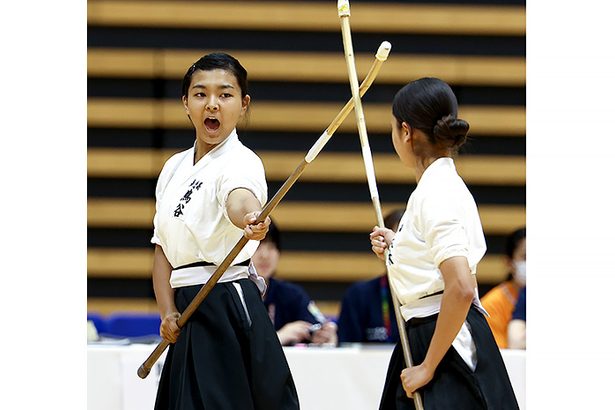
(212, 104)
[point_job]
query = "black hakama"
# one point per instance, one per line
(220, 361)
(454, 385)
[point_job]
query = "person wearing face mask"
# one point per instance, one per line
(500, 301)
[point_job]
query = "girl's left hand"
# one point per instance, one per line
(255, 232)
(414, 378)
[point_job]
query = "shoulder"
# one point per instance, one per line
(168, 169)
(245, 153)
(287, 288)
(441, 173)
(444, 197)
(241, 160)
(288, 296)
(282, 286)
(448, 188)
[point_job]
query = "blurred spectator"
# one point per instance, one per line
(516, 327)
(501, 300)
(294, 315)
(367, 314)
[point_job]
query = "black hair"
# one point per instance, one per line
(273, 235)
(429, 104)
(392, 218)
(214, 61)
(513, 240)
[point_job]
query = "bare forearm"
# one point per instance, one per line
(165, 295)
(239, 203)
(459, 285)
(456, 302)
(453, 312)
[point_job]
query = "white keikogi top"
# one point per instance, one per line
(441, 221)
(191, 223)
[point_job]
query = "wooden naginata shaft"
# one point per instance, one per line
(381, 56)
(343, 8)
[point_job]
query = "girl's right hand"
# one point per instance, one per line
(414, 378)
(255, 232)
(380, 239)
(168, 327)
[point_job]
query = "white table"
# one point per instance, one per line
(326, 378)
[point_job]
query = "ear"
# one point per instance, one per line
(407, 132)
(185, 102)
(245, 102)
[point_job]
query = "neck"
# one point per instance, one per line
(201, 149)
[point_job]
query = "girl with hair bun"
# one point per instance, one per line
(432, 263)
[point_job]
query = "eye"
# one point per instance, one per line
(226, 95)
(200, 95)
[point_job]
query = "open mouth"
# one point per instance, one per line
(212, 124)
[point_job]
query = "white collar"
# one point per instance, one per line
(441, 163)
(219, 150)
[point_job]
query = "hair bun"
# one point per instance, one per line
(452, 130)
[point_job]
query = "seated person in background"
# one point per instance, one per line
(294, 315)
(500, 301)
(516, 327)
(367, 314)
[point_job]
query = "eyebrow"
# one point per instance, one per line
(221, 87)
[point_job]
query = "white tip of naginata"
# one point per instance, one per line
(383, 51)
(317, 147)
(343, 8)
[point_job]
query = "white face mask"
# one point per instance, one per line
(519, 274)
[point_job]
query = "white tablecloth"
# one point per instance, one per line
(326, 378)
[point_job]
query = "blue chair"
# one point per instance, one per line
(133, 324)
(99, 322)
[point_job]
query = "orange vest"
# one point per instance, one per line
(500, 303)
